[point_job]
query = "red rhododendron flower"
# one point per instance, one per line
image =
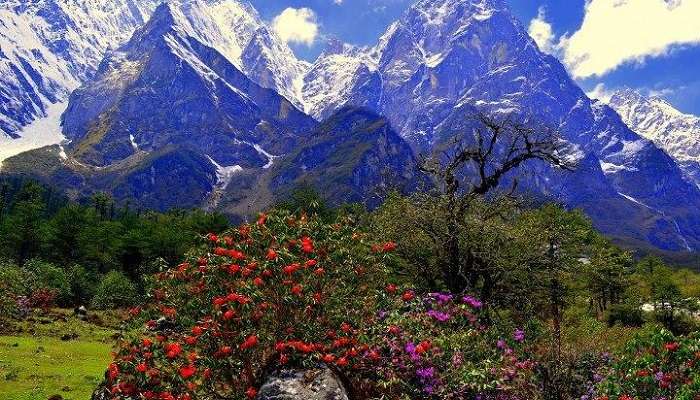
(408, 295)
(113, 371)
(142, 367)
(173, 350)
(229, 315)
(297, 290)
(671, 346)
(188, 371)
(251, 341)
(342, 362)
(251, 392)
(271, 255)
(234, 269)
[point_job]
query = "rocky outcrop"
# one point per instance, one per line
(316, 384)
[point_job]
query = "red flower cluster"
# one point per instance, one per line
(259, 293)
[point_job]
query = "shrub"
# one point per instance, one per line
(43, 298)
(655, 365)
(82, 284)
(625, 314)
(439, 347)
(295, 291)
(115, 291)
(50, 278)
(14, 281)
(284, 291)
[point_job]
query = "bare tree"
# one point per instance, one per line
(478, 167)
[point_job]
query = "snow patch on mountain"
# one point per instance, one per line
(663, 214)
(654, 118)
(39, 133)
(224, 175)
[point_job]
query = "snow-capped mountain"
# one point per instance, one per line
(443, 58)
(164, 86)
(328, 82)
(186, 97)
(48, 48)
(657, 120)
(168, 121)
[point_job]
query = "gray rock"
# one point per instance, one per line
(315, 384)
(101, 393)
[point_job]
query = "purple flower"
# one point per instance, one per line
(472, 302)
(519, 335)
(426, 373)
(442, 298)
(440, 316)
(410, 348)
(501, 344)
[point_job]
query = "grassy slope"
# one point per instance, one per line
(36, 368)
(36, 364)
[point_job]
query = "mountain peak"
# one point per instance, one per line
(656, 119)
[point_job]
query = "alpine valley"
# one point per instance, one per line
(198, 103)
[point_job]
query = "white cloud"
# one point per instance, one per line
(296, 25)
(541, 32)
(338, 2)
(601, 92)
(615, 32)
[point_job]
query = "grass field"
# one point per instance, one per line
(36, 364)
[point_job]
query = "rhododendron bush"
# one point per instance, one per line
(284, 290)
(438, 346)
(655, 366)
(293, 291)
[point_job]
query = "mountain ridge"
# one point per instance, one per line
(440, 63)
(675, 132)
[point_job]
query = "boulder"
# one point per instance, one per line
(314, 384)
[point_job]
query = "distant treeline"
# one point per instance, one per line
(50, 238)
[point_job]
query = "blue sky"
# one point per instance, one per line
(651, 45)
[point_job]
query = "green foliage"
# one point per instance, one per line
(83, 284)
(656, 365)
(21, 229)
(98, 238)
(115, 291)
(49, 276)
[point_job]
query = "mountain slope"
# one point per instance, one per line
(446, 59)
(354, 156)
(164, 107)
(655, 119)
(48, 48)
